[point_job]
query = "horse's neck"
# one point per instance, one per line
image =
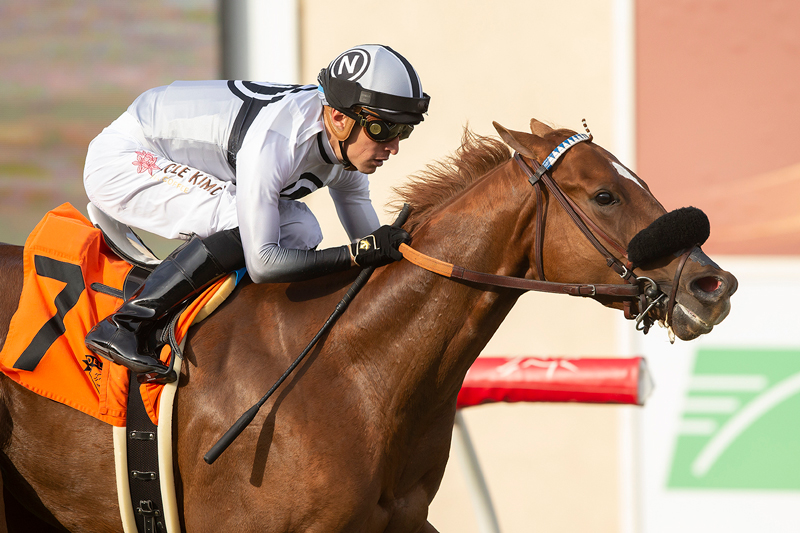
(439, 326)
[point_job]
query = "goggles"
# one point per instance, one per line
(381, 131)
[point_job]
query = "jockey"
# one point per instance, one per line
(222, 165)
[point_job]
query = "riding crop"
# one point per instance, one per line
(244, 420)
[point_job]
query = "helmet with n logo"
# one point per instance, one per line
(377, 78)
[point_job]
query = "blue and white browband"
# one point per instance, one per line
(560, 150)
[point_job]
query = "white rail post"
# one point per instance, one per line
(478, 491)
(260, 40)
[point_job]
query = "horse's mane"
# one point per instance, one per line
(443, 180)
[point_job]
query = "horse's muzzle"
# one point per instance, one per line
(703, 299)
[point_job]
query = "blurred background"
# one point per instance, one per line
(700, 97)
(67, 69)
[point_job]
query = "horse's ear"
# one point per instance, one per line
(524, 143)
(540, 128)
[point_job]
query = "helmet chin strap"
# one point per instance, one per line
(340, 134)
(346, 162)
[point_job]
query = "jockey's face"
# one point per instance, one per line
(364, 153)
(367, 155)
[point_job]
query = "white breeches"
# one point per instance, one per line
(143, 189)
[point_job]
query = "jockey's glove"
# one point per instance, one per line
(379, 247)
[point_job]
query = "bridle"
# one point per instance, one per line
(640, 289)
(648, 297)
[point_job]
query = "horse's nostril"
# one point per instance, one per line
(708, 284)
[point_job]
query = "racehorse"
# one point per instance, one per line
(357, 439)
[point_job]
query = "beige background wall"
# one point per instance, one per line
(549, 467)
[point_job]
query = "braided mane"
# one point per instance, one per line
(445, 179)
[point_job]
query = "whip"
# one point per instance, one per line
(244, 420)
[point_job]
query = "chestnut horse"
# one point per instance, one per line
(357, 439)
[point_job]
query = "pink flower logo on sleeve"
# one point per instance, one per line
(145, 162)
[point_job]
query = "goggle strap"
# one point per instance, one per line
(350, 93)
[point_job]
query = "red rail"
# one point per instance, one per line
(552, 379)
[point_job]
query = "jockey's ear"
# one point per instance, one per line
(337, 123)
(531, 146)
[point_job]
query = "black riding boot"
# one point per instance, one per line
(121, 337)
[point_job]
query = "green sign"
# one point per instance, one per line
(740, 423)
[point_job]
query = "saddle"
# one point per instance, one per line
(127, 245)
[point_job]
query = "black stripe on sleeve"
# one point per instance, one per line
(322, 151)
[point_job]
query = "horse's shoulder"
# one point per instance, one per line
(256, 309)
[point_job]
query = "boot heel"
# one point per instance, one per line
(120, 337)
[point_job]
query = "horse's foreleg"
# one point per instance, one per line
(3, 528)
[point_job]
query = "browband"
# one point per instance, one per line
(556, 154)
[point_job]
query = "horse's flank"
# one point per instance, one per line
(11, 270)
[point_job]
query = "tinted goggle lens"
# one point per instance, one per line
(381, 131)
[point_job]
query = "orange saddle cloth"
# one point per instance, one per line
(64, 258)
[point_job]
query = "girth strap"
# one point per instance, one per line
(142, 462)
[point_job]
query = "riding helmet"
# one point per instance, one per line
(377, 78)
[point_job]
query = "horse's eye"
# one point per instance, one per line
(604, 198)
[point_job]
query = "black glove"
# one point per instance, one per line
(380, 247)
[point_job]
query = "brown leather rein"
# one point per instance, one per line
(632, 290)
(458, 272)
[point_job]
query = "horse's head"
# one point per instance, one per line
(680, 285)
